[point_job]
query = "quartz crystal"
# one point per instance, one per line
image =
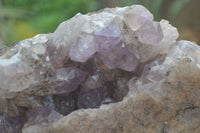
(136, 17)
(150, 33)
(116, 70)
(90, 98)
(121, 57)
(69, 78)
(149, 72)
(83, 48)
(107, 37)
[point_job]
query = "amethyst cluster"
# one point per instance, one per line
(88, 61)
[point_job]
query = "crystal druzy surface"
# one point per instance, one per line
(90, 60)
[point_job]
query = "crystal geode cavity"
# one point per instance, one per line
(95, 61)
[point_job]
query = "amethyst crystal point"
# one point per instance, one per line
(151, 33)
(67, 32)
(107, 37)
(55, 55)
(91, 98)
(131, 60)
(150, 73)
(137, 16)
(83, 48)
(68, 79)
(121, 57)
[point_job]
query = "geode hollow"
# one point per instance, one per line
(110, 71)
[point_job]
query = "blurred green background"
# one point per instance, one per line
(20, 19)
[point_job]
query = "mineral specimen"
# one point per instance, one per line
(110, 71)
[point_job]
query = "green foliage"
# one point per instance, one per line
(38, 16)
(176, 7)
(10, 12)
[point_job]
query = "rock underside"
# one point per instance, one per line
(112, 71)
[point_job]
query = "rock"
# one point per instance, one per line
(110, 71)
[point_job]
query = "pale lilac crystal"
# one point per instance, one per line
(58, 46)
(57, 56)
(121, 57)
(137, 16)
(83, 48)
(131, 61)
(69, 78)
(150, 33)
(150, 75)
(150, 52)
(107, 37)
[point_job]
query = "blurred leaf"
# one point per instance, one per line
(12, 12)
(176, 7)
(7, 32)
(23, 30)
(25, 18)
(47, 22)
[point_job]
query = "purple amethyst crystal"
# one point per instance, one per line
(149, 75)
(91, 98)
(68, 79)
(151, 33)
(136, 17)
(107, 37)
(121, 57)
(83, 48)
(57, 56)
